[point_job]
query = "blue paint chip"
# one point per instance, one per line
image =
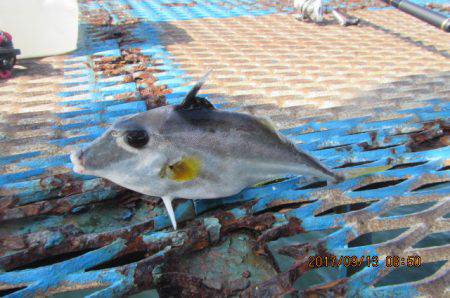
(136, 106)
(4, 160)
(9, 178)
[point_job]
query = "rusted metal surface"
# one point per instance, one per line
(439, 7)
(63, 232)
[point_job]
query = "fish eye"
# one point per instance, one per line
(137, 138)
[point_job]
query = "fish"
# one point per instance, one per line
(194, 151)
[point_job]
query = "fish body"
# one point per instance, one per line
(193, 151)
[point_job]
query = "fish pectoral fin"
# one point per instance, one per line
(168, 204)
(187, 169)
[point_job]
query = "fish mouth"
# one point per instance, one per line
(75, 158)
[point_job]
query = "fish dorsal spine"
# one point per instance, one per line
(192, 101)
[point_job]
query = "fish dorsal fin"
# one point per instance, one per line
(192, 101)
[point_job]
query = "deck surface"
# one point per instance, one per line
(376, 95)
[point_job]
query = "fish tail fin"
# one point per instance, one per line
(168, 204)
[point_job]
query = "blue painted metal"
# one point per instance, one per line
(93, 94)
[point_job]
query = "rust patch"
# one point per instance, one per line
(439, 7)
(246, 274)
(336, 288)
(127, 96)
(256, 223)
(132, 63)
(98, 17)
(137, 68)
(129, 62)
(180, 4)
(297, 251)
(66, 184)
(291, 228)
(435, 134)
(175, 284)
(34, 243)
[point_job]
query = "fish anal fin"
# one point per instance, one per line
(168, 204)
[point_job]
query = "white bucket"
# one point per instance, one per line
(40, 27)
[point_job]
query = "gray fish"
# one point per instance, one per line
(193, 151)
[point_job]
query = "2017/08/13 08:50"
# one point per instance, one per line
(369, 261)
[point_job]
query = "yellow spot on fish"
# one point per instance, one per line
(187, 169)
(361, 172)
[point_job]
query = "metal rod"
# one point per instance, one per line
(344, 19)
(9, 51)
(431, 17)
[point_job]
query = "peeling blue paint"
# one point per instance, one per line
(43, 278)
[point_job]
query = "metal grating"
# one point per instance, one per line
(61, 233)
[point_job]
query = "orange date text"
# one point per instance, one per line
(346, 261)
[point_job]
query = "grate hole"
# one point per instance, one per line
(446, 168)
(278, 246)
(433, 185)
(381, 184)
(331, 147)
(380, 147)
(352, 270)
(146, 293)
(405, 274)
(271, 182)
(435, 239)
(407, 165)
(407, 133)
(353, 164)
(408, 209)
(375, 237)
(10, 291)
(315, 277)
(77, 293)
(52, 260)
(447, 215)
(280, 207)
(316, 184)
(361, 132)
(429, 138)
(346, 208)
(123, 260)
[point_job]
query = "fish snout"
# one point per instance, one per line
(76, 157)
